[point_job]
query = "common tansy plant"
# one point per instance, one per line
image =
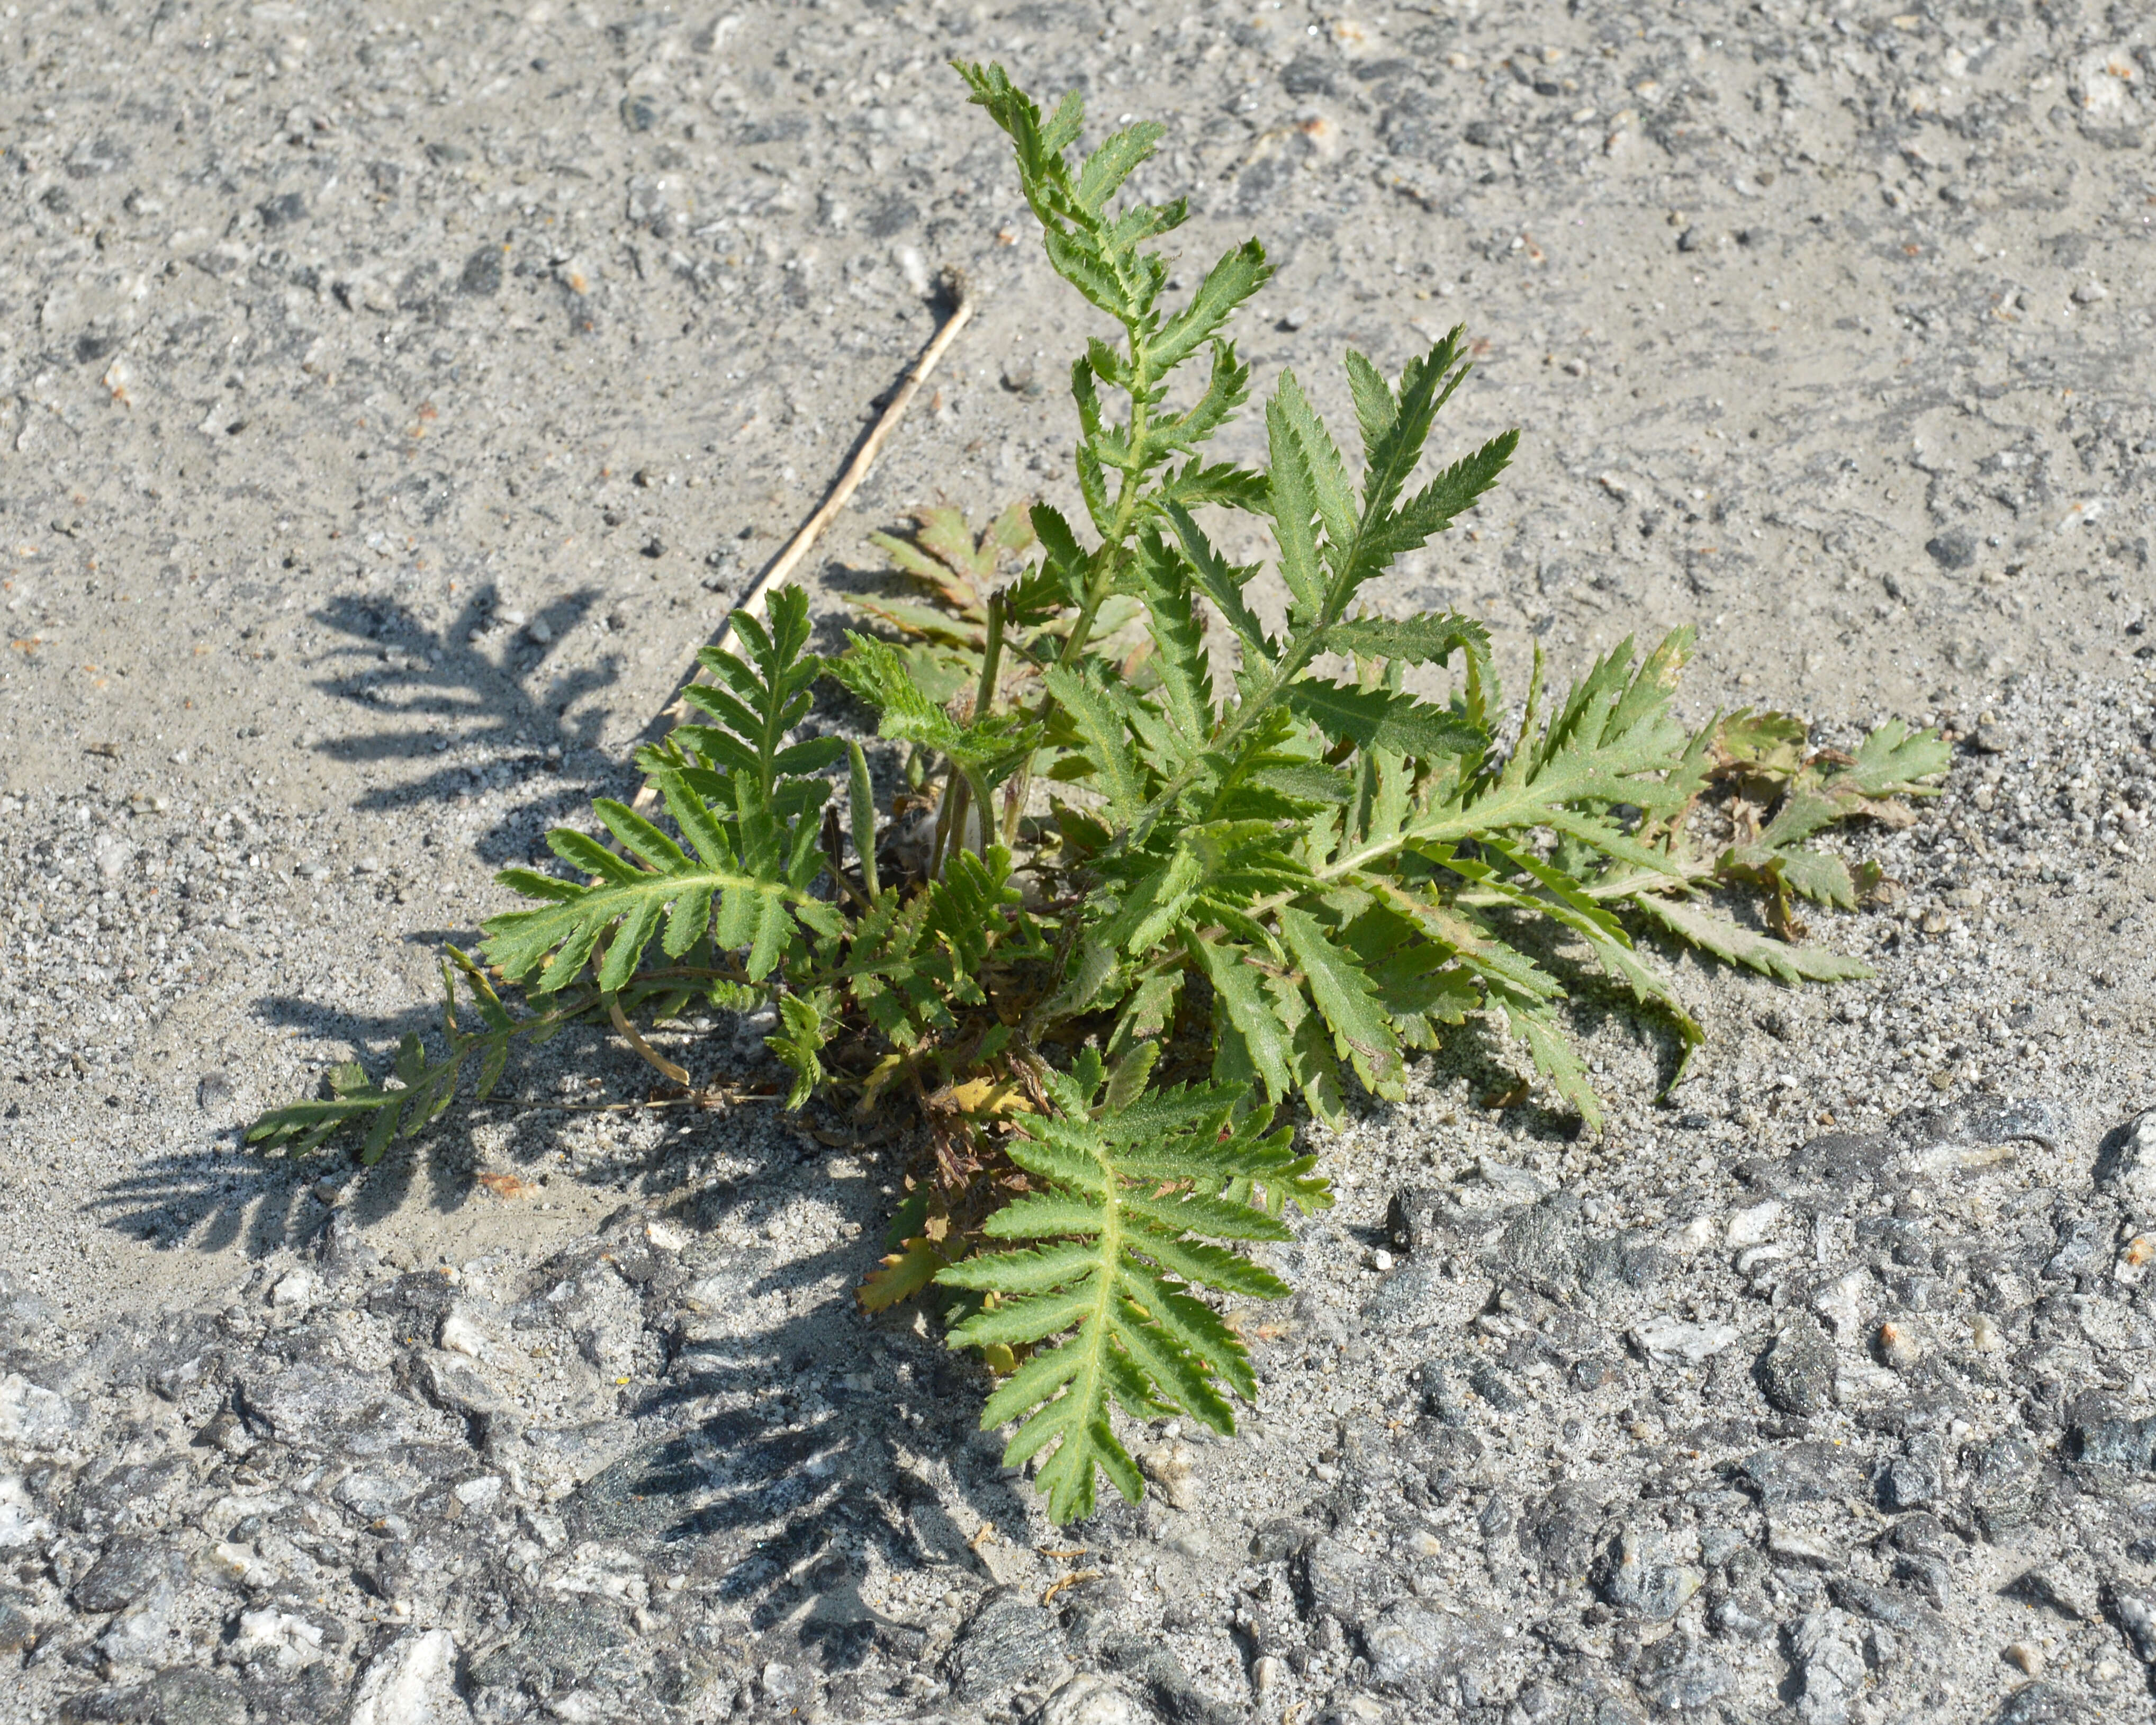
(1144, 894)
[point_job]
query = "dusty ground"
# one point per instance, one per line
(390, 402)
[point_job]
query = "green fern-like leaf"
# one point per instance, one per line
(738, 793)
(424, 1088)
(1129, 1204)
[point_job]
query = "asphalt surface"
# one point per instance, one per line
(391, 403)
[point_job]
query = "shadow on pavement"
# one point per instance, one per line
(435, 692)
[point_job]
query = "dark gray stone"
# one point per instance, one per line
(2100, 1438)
(1559, 1531)
(557, 1646)
(2003, 1484)
(1166, 1685)
(1549, 1248)
(1413, 1649)
(18, 1628)
(113, 1494)
(1332, 1580)
(415, 1304)
(2081, 1251)
(1951, 550)
(664, 1490)
(453, 1386)
(1412, 1297)
(1451, 1460)
(1678, 1675)
(2039, 1703)
(1930, 1575)
(1745, 1617)
(1800, 1473)
(128, 1568)
(1839, 1159)
(1486, 1381)
(1414, 1220)
(1907, 1482)
(1831, 1669)
(1009, 1639)
(482, 275)
(178, 1696)
(1278, 1539)
(1882, 1605)
(1636, 1576)
(1796, 1373)
(1444, 1396)
(2056, 1589)
(2134, 1612)
(1307, 75)
(312, 1408)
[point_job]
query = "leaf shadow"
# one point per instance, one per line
(825, 1436)
(432, 691)
(182, 1200)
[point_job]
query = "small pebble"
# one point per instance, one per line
(1749, 1227)
(2026, 1656)
(295, 1287)
(1899, 1346)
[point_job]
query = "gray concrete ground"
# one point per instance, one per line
(389, 403)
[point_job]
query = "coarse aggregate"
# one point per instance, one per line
(390, 401)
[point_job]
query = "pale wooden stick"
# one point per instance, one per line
(850, 481)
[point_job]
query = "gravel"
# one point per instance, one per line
(376, 404)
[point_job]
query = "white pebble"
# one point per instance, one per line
(295, 1288)
(1749, 1227)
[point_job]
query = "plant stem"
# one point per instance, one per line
(1105, 561)
(951, 807)
(992, 657)
(966, 787)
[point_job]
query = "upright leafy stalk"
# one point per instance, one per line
(1240, 893)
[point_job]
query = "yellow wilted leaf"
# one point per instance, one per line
(987, 1095)
(900, 1276)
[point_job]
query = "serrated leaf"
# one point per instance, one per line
(1227, 284)
(1430, 639)
(1102, 715)
(1895, 761)
(1264, 1042)
(1109, 1303)
(1217, 579)
(1383, 719)
(992, 745)
(1534, 1023)
(1783, 962)
(901, 1275)
(1343, 993)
